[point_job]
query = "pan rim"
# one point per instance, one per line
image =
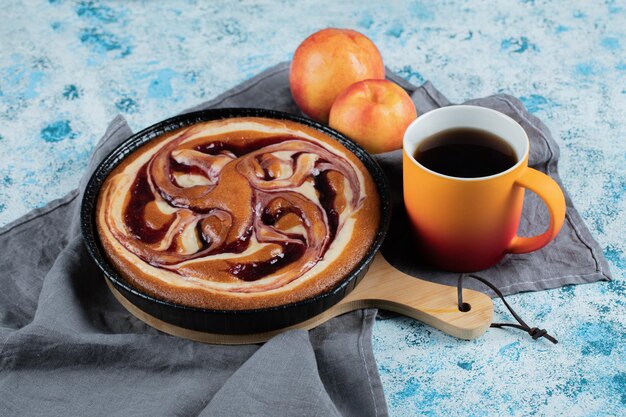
(134, 142)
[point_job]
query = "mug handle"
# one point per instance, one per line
(550, 192)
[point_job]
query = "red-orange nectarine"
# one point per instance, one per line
(373, 113)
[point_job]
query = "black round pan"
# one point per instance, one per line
(226, 321)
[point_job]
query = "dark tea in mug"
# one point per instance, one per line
(465, 153)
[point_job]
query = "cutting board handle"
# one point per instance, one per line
(387, 288)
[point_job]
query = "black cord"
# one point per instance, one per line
(534, 332)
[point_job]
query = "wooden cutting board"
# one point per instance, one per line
(383, 287)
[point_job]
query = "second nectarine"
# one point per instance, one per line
(373, 113)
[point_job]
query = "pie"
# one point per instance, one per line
(238, 213)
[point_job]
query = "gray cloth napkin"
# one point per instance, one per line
(68, 347)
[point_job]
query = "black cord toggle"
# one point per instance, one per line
(534, 332)
(537, 333)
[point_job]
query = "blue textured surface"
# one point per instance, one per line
(67, 67)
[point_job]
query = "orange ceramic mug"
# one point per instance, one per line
(469, 224)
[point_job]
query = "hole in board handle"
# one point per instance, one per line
(465, 307)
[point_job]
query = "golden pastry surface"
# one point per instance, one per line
(238, 213)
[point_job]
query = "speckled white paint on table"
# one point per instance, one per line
(67, 67)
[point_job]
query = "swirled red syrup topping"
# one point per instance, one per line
(237, 207)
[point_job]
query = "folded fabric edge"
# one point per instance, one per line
(366, 350)
(40, 211)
